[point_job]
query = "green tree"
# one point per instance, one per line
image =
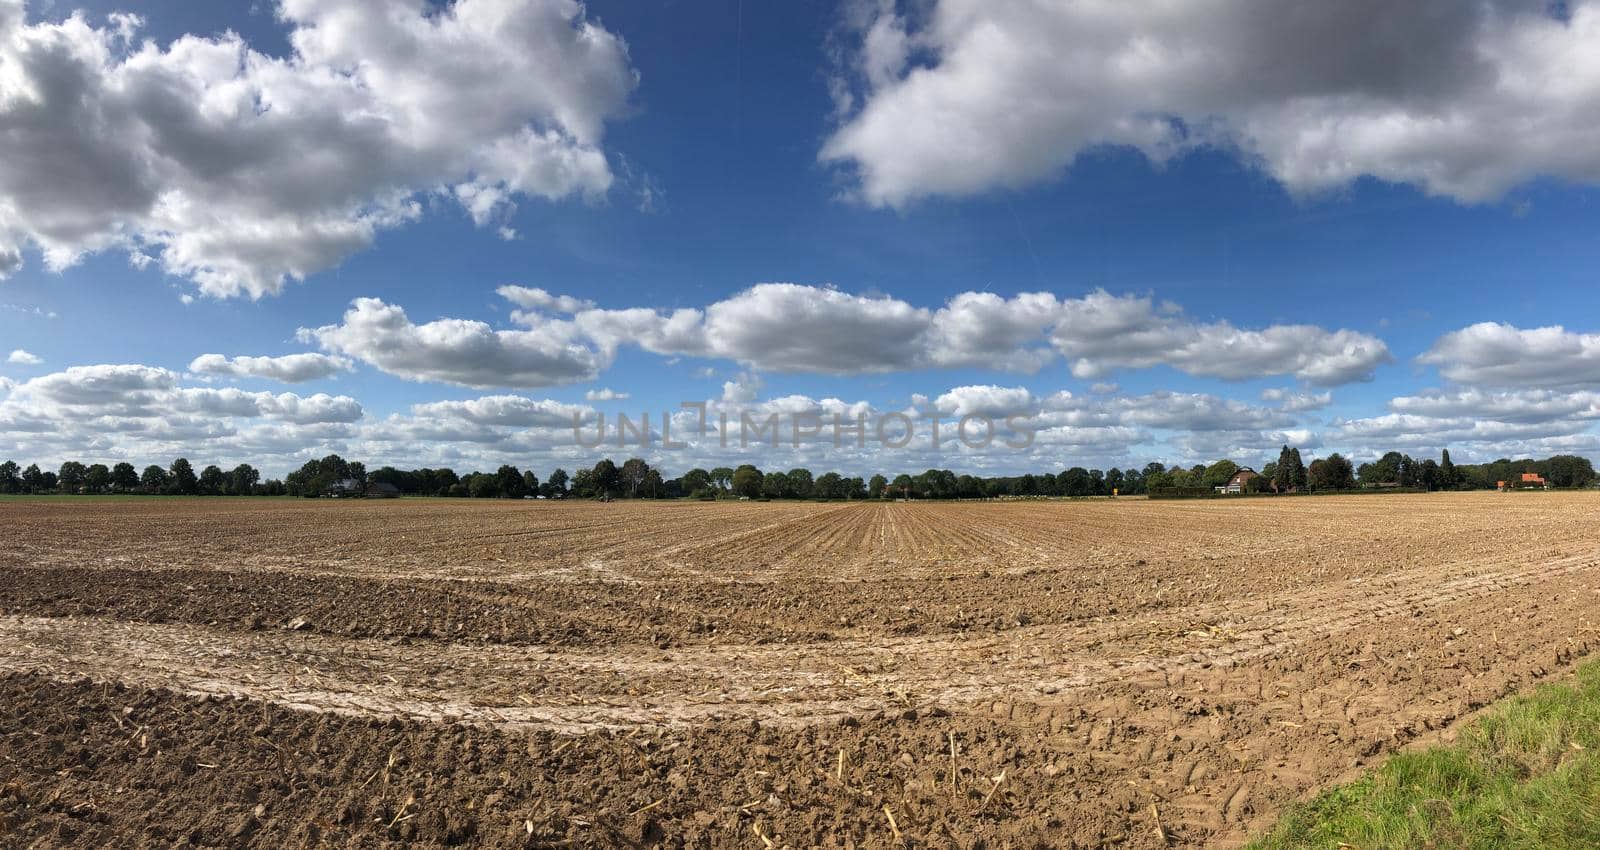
(212, 481)
(154, 479)
(696, 481)
(71, 477)
(722, 476)
(935, 484)
(1568, 471)
(405, 482)
(775, 485)
(316, 476)
(1449, 478)
(1219, 474)
(242, 480)
(1386, 469)
(509, 483)
(557, 483)
(633, 475)
(800, 483)
(605, 479)
(830, 485)
(10, 477)
(1331, 473)
(181, 479)
(876, 487)
(1290, 473)
(124, 478)
(653, 486)
(444, 482)
(484, 486)
(746, 481)
(1075, 482)
(97, 478)
(1364, 474)
(1428, 474)
(583, 484)
(333, 468)
(1409, 472)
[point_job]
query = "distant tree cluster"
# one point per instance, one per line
(1399, 470)
(320, 476)
(637, 479)
(179, 479)
(750, 482)
(1197, 479)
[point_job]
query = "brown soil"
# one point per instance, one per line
(119, 765)
(1129, 666)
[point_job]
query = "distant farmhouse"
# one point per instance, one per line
(350, 488)
(344, 488)
(1240, 482)
(1529, 481)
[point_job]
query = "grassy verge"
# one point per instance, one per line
(1526, 774)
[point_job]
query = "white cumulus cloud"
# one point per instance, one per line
(240, 170)
(504, 410)
(1462, 99)
(1102, 332)
(289, 368)
(1498, 354)
(1296, 402)
(460, 351)
(534, 298)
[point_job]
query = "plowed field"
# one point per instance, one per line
(1135, 674)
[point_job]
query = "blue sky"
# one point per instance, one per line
(684, 155)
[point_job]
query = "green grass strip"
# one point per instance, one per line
(1526, 774)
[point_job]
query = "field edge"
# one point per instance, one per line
(1523, 772)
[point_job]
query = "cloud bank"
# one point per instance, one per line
(795, 328)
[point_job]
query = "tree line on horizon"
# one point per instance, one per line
(1290, 474)
(637, 479)
(179, 479)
